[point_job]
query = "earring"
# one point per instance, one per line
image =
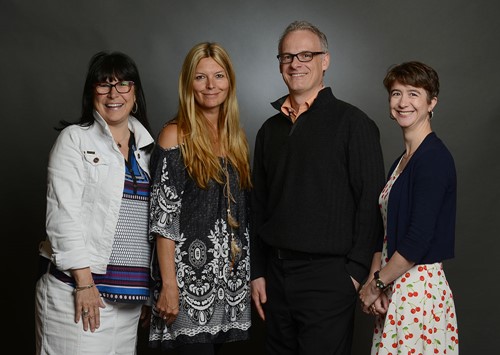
(431, 114)
(136, 107)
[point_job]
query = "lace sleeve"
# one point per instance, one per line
(166, 193)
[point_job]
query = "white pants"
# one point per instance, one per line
(58, 334)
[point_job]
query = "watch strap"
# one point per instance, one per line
(378, 282)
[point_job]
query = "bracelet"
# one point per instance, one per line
(81, 288)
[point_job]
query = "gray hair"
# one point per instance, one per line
(304, 26)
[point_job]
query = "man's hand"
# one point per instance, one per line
(259, 296)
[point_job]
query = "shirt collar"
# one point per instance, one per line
(289, 111)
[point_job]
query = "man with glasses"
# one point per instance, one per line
(318, 171)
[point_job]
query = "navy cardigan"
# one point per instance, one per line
(421, 211)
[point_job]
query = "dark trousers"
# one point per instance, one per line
(310, 307)
(199, 349)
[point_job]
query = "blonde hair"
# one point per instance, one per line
(194, 131)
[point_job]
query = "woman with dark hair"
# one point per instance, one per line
(96, 280)
(408, 291)
(200, 221)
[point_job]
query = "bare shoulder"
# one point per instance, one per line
(168, 136)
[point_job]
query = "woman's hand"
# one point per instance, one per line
(368, 295)
(87, 300)
(380, 306)
(167, 305)
(87, 304)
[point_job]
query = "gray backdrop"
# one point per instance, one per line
(46, 45)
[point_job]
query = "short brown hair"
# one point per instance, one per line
(416, 74)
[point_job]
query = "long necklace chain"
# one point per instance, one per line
(231, 221)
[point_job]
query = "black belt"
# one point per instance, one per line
(287, 254)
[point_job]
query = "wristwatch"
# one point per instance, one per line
(378, 282)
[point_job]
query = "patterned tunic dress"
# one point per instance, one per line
(421, 317)
(214, 287)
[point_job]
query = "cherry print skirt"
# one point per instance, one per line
(421, 317)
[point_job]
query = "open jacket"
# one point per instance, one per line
(85, 181)
(421, 211)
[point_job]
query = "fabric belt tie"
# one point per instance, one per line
(61, 276)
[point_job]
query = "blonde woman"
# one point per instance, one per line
(200, 220)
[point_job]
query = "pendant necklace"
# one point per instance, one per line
(118, 141)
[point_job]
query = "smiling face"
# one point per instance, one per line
(114, 107)
(410, 106)
(303, 78)
(210, 85)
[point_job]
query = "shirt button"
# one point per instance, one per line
(96, 160)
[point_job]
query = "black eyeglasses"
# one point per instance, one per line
(307, 56)
(121, 87)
